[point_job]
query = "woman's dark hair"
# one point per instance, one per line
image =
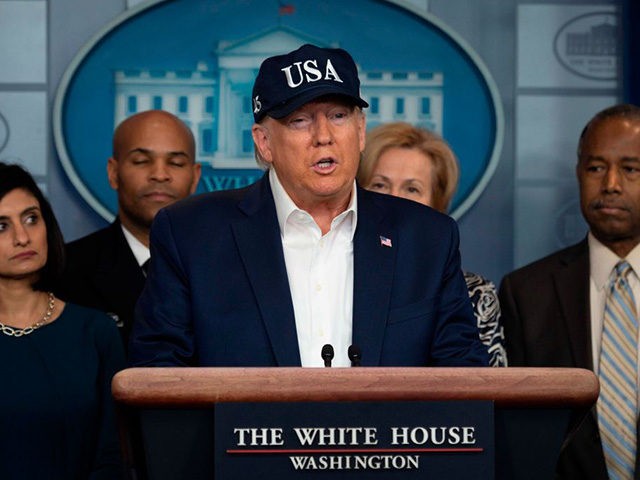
(14, 177)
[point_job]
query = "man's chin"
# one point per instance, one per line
(614, 234)
(152, 210)
(143, 221)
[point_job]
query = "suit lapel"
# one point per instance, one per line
(260, 247)
(572, 287)
(372, 277)
(117, 269)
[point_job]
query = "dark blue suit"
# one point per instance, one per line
(217, 293)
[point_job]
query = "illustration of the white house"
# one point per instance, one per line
(600, 40)
(214, 99)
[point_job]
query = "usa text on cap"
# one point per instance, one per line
(287, 82)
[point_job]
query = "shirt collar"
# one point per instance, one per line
(139, 250)
(602, 261)
(285, 206)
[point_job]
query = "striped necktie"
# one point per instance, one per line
(617, 403)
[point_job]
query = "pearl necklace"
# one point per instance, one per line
(19, 332)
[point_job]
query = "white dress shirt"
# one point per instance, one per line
(140, 251)
(602, 262)
(320, 273)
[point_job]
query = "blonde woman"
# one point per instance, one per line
(405, 161)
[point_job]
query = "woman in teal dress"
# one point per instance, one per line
(56, 359)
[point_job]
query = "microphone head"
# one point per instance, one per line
(327, 354)
(327, 351)
(355, 355)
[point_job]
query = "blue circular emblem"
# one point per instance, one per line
(198, 59)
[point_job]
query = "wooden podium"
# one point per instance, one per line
(535, 408)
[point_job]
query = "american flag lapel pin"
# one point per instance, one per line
(385, 242)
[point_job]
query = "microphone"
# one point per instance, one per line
(355, 355)
(327, 354)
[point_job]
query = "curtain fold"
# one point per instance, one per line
(631, 51)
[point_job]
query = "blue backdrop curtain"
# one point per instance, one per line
(631, 50)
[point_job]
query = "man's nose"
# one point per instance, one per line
(322, 131)
(612, 181)
(160, 172)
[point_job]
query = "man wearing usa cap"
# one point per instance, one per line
(269, 274)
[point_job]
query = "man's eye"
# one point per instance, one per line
(299, 122)
(339, 116)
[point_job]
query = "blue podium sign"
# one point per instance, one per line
(359, 440)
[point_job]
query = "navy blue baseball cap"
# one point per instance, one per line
(287, 82)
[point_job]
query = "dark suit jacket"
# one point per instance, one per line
(102, 272)
(217, 293)
(546, 316)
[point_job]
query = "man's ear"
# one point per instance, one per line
(112, 172)
(362, 130)
(262, 141)
(197, 171)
